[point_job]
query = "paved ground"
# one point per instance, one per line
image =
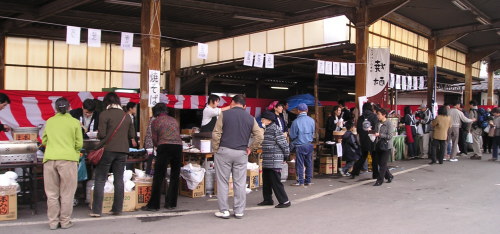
(460, 197)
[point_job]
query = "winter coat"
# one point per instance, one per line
(364, 139)
(274, 147)
(351, 150)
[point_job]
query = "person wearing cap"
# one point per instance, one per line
(63, 140)
(274, 151)
(301, 134)
(4, 101)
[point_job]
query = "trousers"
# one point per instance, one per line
(115, 161)
(166, 153)
(233, 161)
(271, 181)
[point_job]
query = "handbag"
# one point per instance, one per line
(82, 170)
(95, 156)
(491, 132)
(382, 144)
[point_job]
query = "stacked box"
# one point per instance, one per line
(199, 191)
(326, 165)
(292, 173)
(144, 190)
(253, 178)
(129, 201)
(8, 203)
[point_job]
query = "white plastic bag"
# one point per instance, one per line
(469, 138)
(192, 175)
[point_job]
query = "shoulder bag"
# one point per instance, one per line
(382, 143)
(95, 156)
(491, 132)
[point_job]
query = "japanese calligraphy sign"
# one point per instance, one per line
(377, 75)
(202, 51)
(127, 41)
(321, 67)
(94, 37)
(248, 59)
(269, 60)
(73, 35)
(328, 68)
(154, 87)
(259, 60)
(392, 82)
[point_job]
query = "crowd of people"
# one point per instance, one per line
(235, 133)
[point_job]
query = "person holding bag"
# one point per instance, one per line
(63, 139)
(495, 133)
(115, 130)
(383, 147)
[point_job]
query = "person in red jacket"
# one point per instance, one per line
(411, 131)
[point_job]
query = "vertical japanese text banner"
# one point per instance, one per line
(377, 72)
(154, 88)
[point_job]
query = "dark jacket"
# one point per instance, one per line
(108, 121)
(364, 139)
(78, 114)
(351, 150)
(274, 147)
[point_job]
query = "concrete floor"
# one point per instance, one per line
(461, 197)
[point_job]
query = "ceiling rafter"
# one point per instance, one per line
(377, 12)
(345, 3)
(43, 12)
(406, 22)
(480, 53)
(467, 29)
(222, 8)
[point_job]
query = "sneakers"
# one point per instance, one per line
(266, 203)
(476, 157)
(54, 227)
(146, 208)
(453, 160)
(342, 173)
(284, 205)
(222, 214)
(70, 224)
(297, 184)
(238, 216)
(307, 184)
(94, 215)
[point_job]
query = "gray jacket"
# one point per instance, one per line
(386, 131)
(274, 147)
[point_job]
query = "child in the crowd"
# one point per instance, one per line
(350, 149)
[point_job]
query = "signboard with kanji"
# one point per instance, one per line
(377, 72)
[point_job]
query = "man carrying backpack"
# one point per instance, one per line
(476, 130)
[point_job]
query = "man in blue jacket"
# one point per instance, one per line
(301, 134)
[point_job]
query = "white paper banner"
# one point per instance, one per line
(378, 60)
(248, 59)
(403, 83)
(352, 69)
(127, 41)
(415, 82)
(328, 68)
(392, 81)
(73, 35)
(321, 67)
(421, 83)
(398, 81)
(269, 60)
(202, 51)
(343, 69)
(336, 68)
(339, 150)
(94, 37)
(259, 60)
(154, 88)
(409, 83)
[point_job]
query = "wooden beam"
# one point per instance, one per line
(175, 67)
(316, 107)
(408, 23)
(362, 39)
(468, 84)
(431, 72)
(442, 41)
(2, 61)
(222, 8)
(43, 12)
(344, 3)
(491, 84)
(494, 65)
(17, 8)
(467, 29)
(376, 13)
(150, 55)
(476, 55)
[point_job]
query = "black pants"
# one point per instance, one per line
(462, 141)
(438, 150)
(116, 161)
(359, 164)
(271, 181)
(166, 153)
(487, 143)
(383, 171)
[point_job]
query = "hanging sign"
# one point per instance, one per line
(352, 69)
(336, 68)
(421, 82)
(398, 81)
(248, 59)
(343, 69)
(127, 41)
(321, 67)
(269, 60)
(391, 81)
(378, 70)
(94, 37)
(415, 82)
(259, 60)
(202, 51)
(73, 35)
(328, 68)
(154, 87)
(403, 82)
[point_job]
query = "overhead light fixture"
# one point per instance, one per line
(125, 3)
(354, 94)
(277, 87)
(253, 18)
(461, 5)
(483, 20)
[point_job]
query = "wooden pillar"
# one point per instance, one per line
(316, 107)
(431, 72)
(150, 55)
(207, 84)
(468, 83)
(175, 68)
(362, 37)
(2, 61)
(491, 85)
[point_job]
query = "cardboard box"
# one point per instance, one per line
(8, 203)
(253, 178)
(326, 160)
(335, 164)
(129, 201)
(292, 173)
(326, 168)
(260, 172)
(199, 191)
(144, 190)
(231, 189)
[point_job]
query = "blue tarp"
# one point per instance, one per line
(307, 99)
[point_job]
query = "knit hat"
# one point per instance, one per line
(423, 106)
(268, 115)
(302, 107)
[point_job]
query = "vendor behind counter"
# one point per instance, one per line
(211, 113)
